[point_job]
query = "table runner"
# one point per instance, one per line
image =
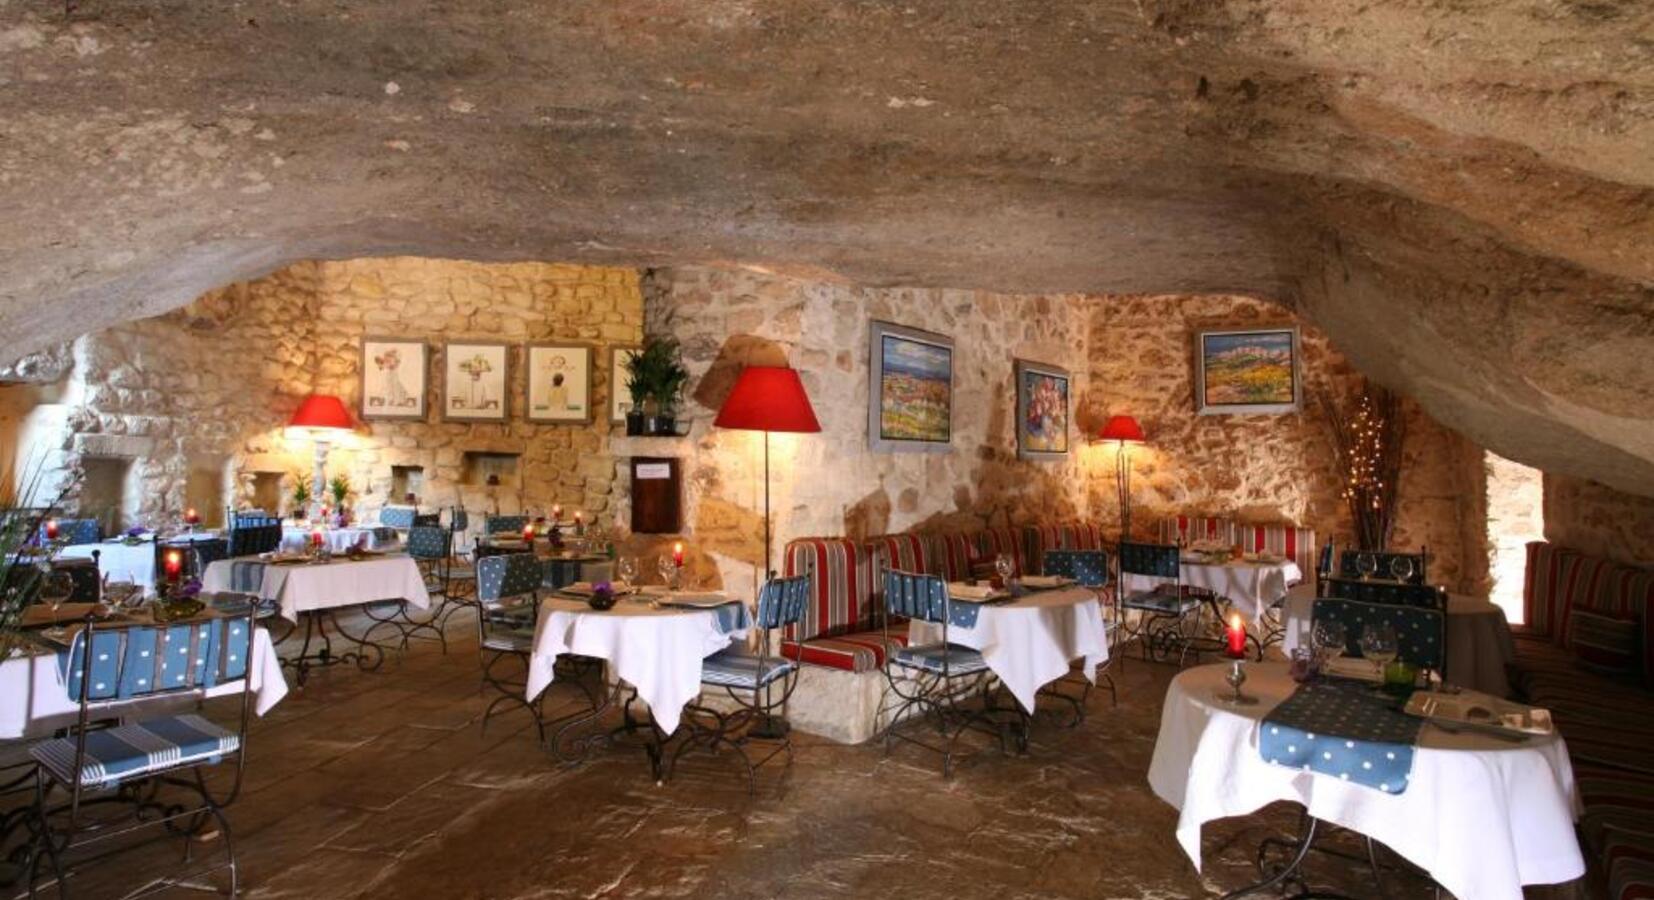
(1343, 729)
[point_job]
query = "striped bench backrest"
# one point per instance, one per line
(1188, 529)
(841, 574)
(1296, 544)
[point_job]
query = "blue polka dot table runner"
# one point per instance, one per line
(1345, 730)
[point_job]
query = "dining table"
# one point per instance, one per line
(1482, 814)
(1251, 584)
(295, 538)
(132, 561)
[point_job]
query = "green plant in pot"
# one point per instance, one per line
(301, 494)
(339, 487)
(655, 376)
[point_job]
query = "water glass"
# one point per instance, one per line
(626, 568)
(1002, 565)
(1303, 665)
(1329, 640)
(1401, 567)
(668, 570)
(1367, 565)
(1378, 643)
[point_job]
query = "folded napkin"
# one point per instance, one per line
(586, 587)
(698, 599)
(1353, 667)
(963, 591)
(1044, 582)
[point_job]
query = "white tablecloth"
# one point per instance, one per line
(296, 538)
(34, 699)
(342, 582)
(1479, 645)
(128, 562)
(1029, 642)
(1483, 816)
(656, 651)
(1252, 587)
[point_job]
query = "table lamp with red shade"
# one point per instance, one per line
(321, 418)
(768, 399)
(1124, 431)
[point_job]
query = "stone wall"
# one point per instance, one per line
(1598, 520)
(209, 386)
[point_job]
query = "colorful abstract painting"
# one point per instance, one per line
(1248, 371)
(1043, 410)
(912, 389)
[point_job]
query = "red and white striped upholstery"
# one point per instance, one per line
(859, 651)
(904, 552)
(1188, 529)
(1010, 541)
(1065, 536)
(841, 585)
(1562, 583)
(952, 553)
(1296, 544)
(1543, 589)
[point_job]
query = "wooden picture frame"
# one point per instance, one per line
(620, 400)
(909, 390)
(1242, 371)
(558, 386)
(1044, 410)
(393, 380)
(476, 381)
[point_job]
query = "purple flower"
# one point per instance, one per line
(136, 531)
(189, 590)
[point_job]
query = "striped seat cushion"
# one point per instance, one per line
(862, 651)
(841, 577)
(952, 553)
(1613, 797)
(932, 657)
(139, 748)
(1605, 720)
(731, 668)
(1628, 857)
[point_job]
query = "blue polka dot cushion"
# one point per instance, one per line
(1343, 731)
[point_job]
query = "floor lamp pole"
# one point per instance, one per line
(768, 571)
(1122, 484)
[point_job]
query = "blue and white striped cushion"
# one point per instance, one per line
(114, 754)
(929, 657)
(730, 668)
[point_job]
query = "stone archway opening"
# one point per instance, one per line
(1515, 516)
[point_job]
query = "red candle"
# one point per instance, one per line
(191, 517)
(51, 529)
(557, 511)
(316, 538)
(528, 531)
(677, 554)
(174, 564)
(1235, 637)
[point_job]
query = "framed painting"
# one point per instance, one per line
(393, 379)
(910, 390)
(559, 383)
(1044, 410)
(1253, 370)
(620, 399)
(476, 381)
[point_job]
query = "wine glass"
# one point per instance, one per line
(1329, 640)
(56, 587)
(668, 570)
(1401, 567)
(1002, 565)
(1366, 564)
(1378, 643)
(626, 568)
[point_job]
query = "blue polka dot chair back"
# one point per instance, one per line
(429, 542)
(782, 601)
(134, 661)
(1421, 633)
(458, 520)
(502, 577)
(1153, 560)
(495, 524)
(1085, 567)
(400, 517)
(909, 595)
(1390, 593)
(77, 531)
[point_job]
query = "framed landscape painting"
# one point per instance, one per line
(393, 379)
(476, 382)
(559, 383)
(620, 399)
(910, 386)
(1247, 371)
(1044, 410)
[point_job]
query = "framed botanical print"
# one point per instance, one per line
(476, 381)
(1252, 370)
(620, 399)
(1044, 409)
(559, 383)
(910, 390)
(393, 379)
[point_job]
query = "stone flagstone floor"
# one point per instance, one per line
(382, 785)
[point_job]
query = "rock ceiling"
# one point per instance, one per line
(1458, 191)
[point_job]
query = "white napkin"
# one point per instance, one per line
(964, 591)
(1044, 581)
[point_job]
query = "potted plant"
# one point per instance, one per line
(301, 495)
(339, 487)
(655, 377)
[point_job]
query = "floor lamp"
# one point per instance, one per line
(768, 399)
(321, 418)
(1124, 431)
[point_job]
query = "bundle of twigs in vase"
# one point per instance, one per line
(1368, 443)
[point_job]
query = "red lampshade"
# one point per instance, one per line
(321, 411)
(1123, 429)
(768, 398)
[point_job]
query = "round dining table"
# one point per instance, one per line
(1483, 815)
(1251, 586)
(1479, 645)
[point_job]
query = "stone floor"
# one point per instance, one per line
(382, 785)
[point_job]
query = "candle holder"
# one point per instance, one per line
(1235, 677)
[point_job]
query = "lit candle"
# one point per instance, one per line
(174, 564)
(316, 538)
(51, 529)
(528, 531)
(677, 554)
(191, 517)
(557, 511)
(1235, 636)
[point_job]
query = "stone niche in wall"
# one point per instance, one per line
(490, 468)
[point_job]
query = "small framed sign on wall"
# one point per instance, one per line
(476, 382)
(1251, 370)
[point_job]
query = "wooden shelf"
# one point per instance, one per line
(677, 445)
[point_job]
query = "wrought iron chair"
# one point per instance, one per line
(1167, 618)
(246, 588)
(931, 680)
(1273, 624)
(1387, 564)
(201, 554)
(750, 680)
(399, 517)
(429, 548)
(462, 571)
(122, 670)
(254, 539)
(499, 524)
(1088, 569)
(508, 593)
(1417, 613)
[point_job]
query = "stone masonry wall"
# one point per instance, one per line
(1599, 520)
(212, 384)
